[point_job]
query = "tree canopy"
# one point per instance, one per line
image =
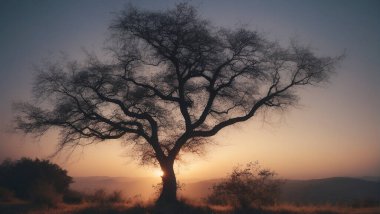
(170, 81)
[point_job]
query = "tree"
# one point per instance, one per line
(25, 176)
(245, 187)
(171, 80)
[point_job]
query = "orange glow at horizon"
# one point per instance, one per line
(158, 173)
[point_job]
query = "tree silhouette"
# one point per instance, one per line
(171, 80)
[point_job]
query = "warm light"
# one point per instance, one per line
(158, 173)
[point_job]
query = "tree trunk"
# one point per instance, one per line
(169, 184)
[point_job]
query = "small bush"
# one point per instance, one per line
(73, 197)
(5, 195)
(25, 176)
(45, 195)
(116, 197)
(246, 187)
(100, 196)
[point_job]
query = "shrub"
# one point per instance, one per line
(100, 196)
(116, 197)
(246, 186)
(73, 197)
(5, 195)
(45, 195)
(27, 177)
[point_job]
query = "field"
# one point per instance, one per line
(111, 200)
(113, 195)
(139, 208)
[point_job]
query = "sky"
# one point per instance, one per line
(334, 131)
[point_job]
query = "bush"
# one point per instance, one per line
(73, 197)
(246, 187)
(45, 195)
(30, 179)
(100, 196)
(5, 195)
(116, 197)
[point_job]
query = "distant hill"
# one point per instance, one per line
(370, 178)
(330, 190)
(316, 191)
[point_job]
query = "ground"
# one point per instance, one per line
(139, 208)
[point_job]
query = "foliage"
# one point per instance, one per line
(73, 197)
(36, 180)
(5, 194)
(45, 194)
(100, 196)
(245, 187)
(116, 197)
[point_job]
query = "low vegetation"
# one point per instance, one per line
(183, 208)
(38, 181)
(247, 189)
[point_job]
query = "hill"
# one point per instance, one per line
(315, 191)
(330, 190)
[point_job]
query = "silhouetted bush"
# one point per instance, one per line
(246, 187)
(73, 197)
(100, 196)
(44, 194)
(37, 180)
(5, 194)
(116, 197)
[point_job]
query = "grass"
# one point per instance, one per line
(321, 209)
(101, 202)
(184, 208)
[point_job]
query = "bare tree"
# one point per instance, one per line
(172, 80)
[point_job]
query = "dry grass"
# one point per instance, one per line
(321, 209)
(28, 208)
(133, 208)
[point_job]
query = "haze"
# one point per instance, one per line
(335, 131)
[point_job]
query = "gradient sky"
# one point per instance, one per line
(335, 131)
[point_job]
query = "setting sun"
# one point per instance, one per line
(158, 173)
